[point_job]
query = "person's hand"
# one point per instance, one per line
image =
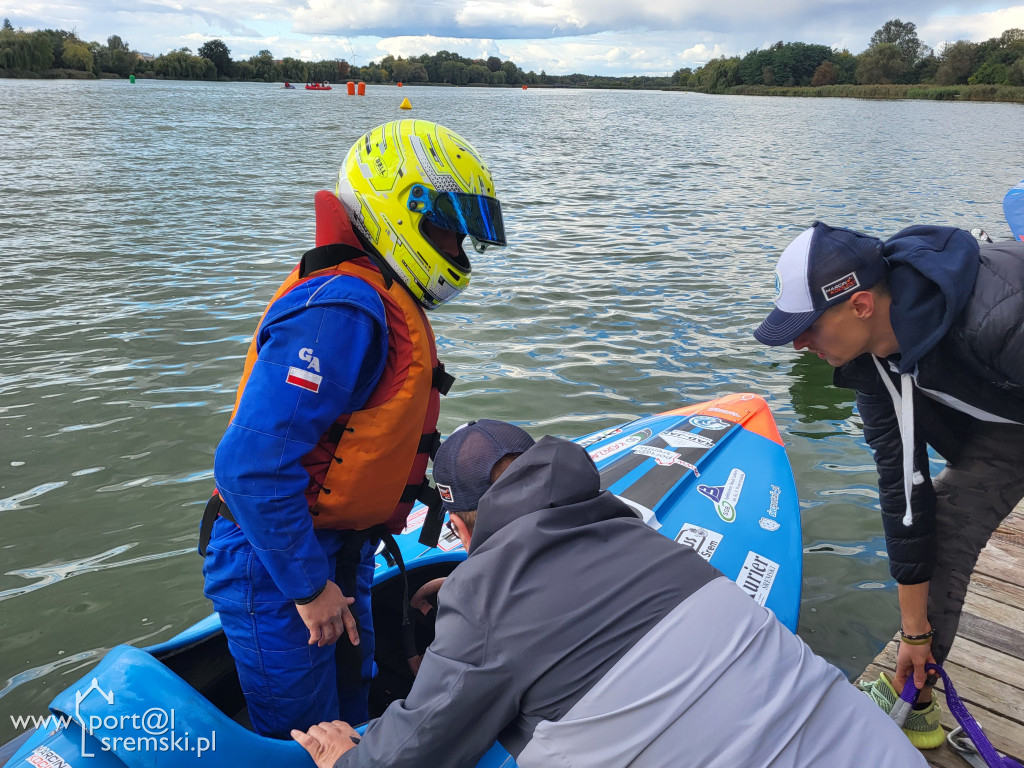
(910, 660)
(328, 741)
(328, 617)
(426, 596)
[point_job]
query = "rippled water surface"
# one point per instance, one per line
(143, 227)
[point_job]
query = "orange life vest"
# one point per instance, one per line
(369, 467)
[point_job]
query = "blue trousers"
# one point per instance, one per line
(288, 683)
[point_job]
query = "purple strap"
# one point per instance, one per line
(981, 743)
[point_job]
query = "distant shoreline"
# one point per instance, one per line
(1007, 94)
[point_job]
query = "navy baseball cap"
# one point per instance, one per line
(463, 464)
(824, 266)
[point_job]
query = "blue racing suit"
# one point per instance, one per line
(333, 328)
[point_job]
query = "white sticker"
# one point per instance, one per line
(708, 422)
(725, 497)
(773, 503)
(415, 520)
(700, 539)
(768, 524)
(598, 437)
(677, 438)
(757, 576)
(619, 445)
(664, 457)
(724, 412)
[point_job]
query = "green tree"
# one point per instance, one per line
(956, 62)
(883, 63)
(117, 57)
(217, 51)
(990, 73)
(718, 75)
(8, 27)
(825, 74)
(76, 55)
(478, 73)
(682, 76)
(262, 65)
(902, 34)
(1015, 72)
(493, 63)
(513, 74)
(846, 67)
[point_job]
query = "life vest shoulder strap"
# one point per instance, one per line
(328, 256)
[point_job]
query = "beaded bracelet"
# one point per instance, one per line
(917, 639)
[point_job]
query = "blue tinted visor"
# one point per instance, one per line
(478, 216)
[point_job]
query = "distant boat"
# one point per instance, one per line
(318, 86)
(289, 86)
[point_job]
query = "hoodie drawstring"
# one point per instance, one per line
(904, 406)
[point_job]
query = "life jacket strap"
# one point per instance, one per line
(430, 533)
(327, 256)
(214, 507)
(442, 380)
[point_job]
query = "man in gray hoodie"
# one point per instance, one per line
(578, 636)
(928, 328)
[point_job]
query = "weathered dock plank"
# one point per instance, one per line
(986, 663)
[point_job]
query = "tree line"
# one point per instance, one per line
(895, 55)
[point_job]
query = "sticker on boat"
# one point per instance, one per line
(620, 445)
(704, 541)
(757, 576)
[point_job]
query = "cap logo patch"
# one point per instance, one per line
(446, 493)
(778, 288)
(841, 286)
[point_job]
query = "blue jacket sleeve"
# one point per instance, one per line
(322, 348)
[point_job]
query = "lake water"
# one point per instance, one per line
(143, 227)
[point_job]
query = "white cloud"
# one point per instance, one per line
(977, 27)
(558, 36)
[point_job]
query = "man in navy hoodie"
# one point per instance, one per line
(928, 328)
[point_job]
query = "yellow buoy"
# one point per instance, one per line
(405, 104)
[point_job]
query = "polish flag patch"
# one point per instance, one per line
(304, 379)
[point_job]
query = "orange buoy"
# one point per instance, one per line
(399, 83)
(524, 87)
(351, 88)
(361, 89)
(405, 104)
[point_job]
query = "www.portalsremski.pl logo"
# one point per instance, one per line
(152, 731)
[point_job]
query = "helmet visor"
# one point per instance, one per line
(478, 216)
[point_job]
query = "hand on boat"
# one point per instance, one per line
(328, 617)
(327, 742)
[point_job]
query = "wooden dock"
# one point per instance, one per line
(986, 663)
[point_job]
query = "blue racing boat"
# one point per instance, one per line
(712, 476)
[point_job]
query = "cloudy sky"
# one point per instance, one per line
(616, 37)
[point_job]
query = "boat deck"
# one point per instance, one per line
(986, 663)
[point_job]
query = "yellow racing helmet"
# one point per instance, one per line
(405, 180)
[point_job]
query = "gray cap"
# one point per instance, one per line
(463, 464)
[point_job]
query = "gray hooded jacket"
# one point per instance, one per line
(578, 636)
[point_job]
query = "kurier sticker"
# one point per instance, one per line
(757, 576)
(725, 497)
(700, 539)
(620, 445)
